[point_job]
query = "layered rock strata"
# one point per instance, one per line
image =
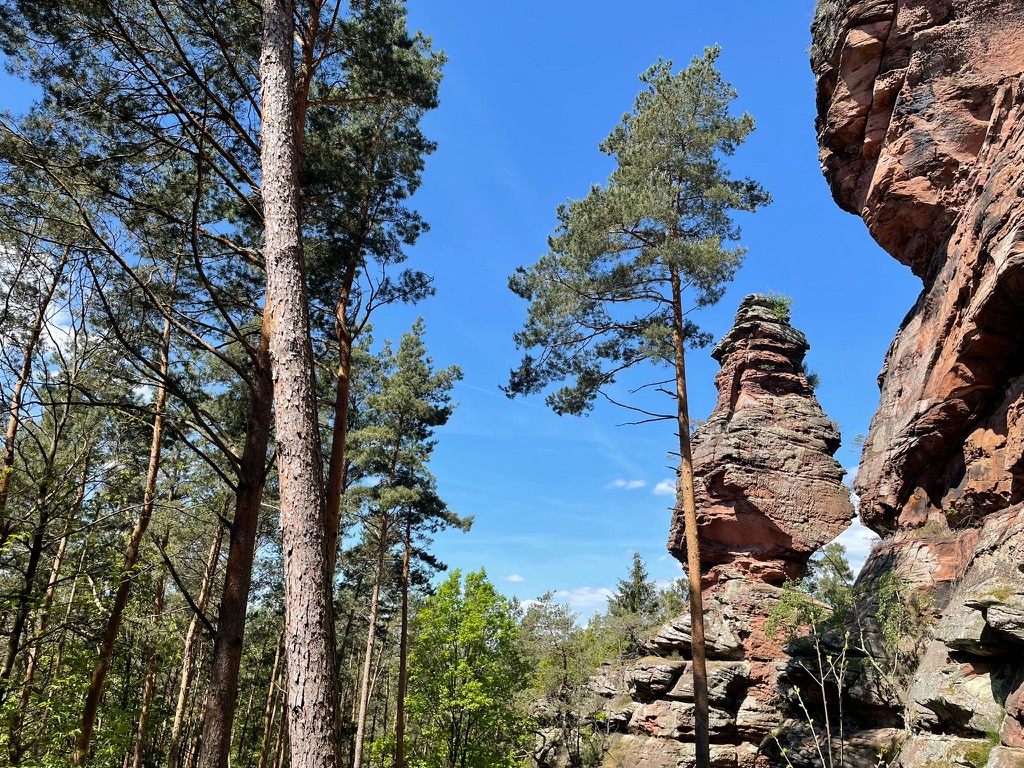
(921, 133)
(769, 494)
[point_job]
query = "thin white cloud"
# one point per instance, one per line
(586, 601)
(858, 541)
(628, 485)
(665, 488)
(515, 578)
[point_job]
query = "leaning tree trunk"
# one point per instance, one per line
(14, 417)
(685, 498)
(131, 558)
(311, 689)
(222, 693)
(149, 687)
(193, 640)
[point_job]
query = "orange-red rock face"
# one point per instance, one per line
(769, 492)
(921, 131)
(921, 127)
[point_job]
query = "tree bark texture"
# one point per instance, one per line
(309, 651)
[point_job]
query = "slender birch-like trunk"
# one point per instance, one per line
(193, 641)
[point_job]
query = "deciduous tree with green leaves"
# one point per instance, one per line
(467, 667)
(610, 292)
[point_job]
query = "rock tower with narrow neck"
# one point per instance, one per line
(769, 494)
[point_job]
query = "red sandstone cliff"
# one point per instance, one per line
(921, 130)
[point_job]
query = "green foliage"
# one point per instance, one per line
(467, 669)
(828, 19)
(781, 305)
(903, 616)
(602, 300)
(636, 594)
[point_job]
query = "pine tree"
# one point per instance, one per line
(609, 295)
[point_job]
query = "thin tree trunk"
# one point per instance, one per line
(14, 418)
(222, 693)
(58, 656)
(371, 639)
(271, 709)
(338, 464)
(17, 746)
(192, 728)
(245, 722)
(687, 501)
(149, 687)
(311, 689)
(282, 735)
(131, 557)
(403, 651)
(43, 506)
(193, 641)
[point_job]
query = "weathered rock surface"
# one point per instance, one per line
(921, 133)
(769, 492)
(920, 108)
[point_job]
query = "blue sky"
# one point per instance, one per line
(530, 90)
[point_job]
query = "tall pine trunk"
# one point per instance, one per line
(222, 692)
(311, 690)
(685, 498)
(337, 464)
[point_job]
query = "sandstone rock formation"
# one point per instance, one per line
(769, 492)
(921, 133)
